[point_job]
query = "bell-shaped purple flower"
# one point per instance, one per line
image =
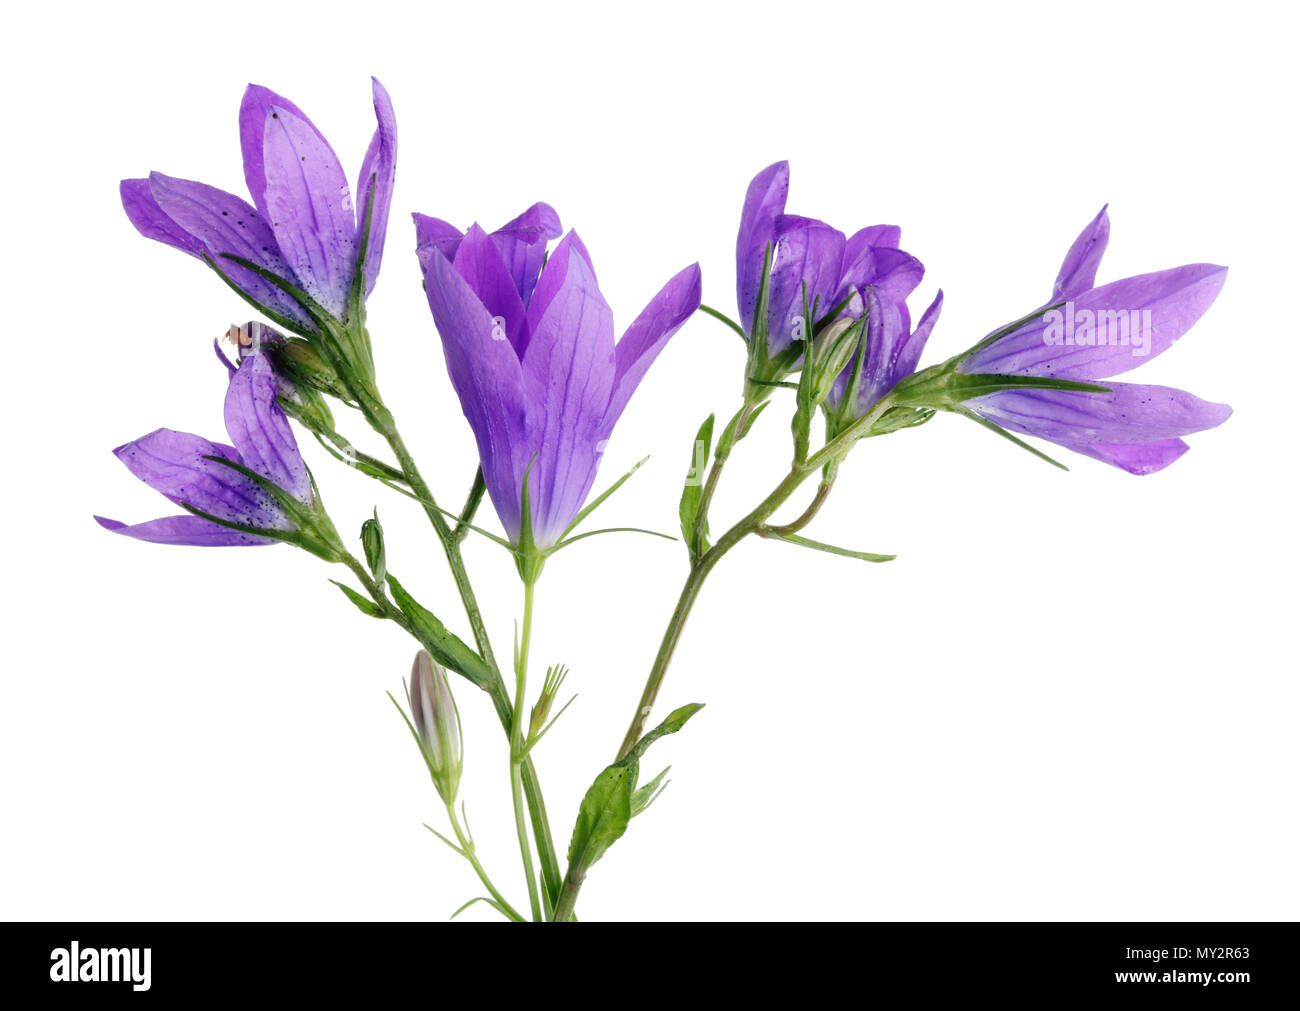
(179, 465)
(1092, 333)
(808, 252)
(532, 356)
(303, 226)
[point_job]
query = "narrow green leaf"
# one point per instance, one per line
(447, 648)
(648, 794)
(806, 542)
(364, 604)
(671, 724)
(710, 311)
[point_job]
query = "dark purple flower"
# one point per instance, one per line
(805, 251)
(532, 356)
(1094, 334)
(303, 225)
(176, 464)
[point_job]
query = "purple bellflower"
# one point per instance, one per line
(529, 343)
(844, 279)
(263, 489)
(1089, 334)
(302, 226)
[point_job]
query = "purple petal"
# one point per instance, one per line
(254, 111)
(1129, 413)
(260, 430)
(174, 464)
(309, 206)
(553, 276)
(1135, 457)
(379, 166)
(212, 222)
(184, 530)
(150, 220)
(910, 352)
(433, 235)
(488, 379)
(522, 243)
(647, 336)
(897, 274)
(808, 252)
(764, 203)
(1175, 299)
(1079, 270)
(569, 372)
(874, 235)
(479, 262)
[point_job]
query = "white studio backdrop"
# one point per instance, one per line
(1072, 696)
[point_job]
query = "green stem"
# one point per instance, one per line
(517, 751)
(382, 421)
(467, 850)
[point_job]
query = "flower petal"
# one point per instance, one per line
(553, 276)
(675, 303)
(254, 111)
(764, 203)
(380, 168)
(1175, 298)
(1136, 457)
(808, 252)
(478, 260)
(151, 221)
(309, 207)
(1129, 413)
(522, 243)
(1079, 270)
(433, 235)
(186, 529)
(569, 372)
(260, 430)
(174, 464)
(488, 379)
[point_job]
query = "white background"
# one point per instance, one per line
(1072, 696)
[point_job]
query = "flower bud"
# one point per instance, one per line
(437, 724)
(372, 542)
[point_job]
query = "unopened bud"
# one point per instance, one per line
(372, 542)
(437, 723)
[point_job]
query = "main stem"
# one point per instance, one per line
(517, 752)
(381, 419)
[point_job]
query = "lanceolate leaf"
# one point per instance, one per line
(693, 489)
(446, 648)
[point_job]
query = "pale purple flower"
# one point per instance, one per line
(303, 225)
(1137, 428)
(175, 464)
(532, 356)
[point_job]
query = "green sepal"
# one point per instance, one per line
(723, 317)
(942, 386)
(805, 397)
(997, 429)
(806, 542)
(445, 646)
(693, 490)
(364, 604)
(599, 499)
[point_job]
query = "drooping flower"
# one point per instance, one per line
(532, 356)
(303, 225)
(1090, 334)
(845, 274)
(178, 465)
